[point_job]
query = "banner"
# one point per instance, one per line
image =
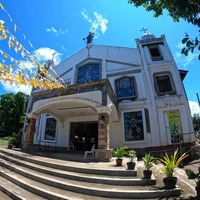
(175, 126)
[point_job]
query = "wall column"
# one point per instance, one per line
(27, 143)
(103, 153)
(103, 131)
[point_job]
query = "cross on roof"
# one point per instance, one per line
(143, 29)
(53, 55)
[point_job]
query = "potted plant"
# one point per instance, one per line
(131, 163)
(11, 141)
(119, 153)
(14, 140)
(148, 163)
(196, 177)
(169, 164)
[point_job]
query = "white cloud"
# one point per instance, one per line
(44, 53)
(57, 32)
(194, 107)
(41, 55)
(99, 23)
(183, 60)
(17, 88)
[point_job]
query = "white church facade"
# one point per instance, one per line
(114, 96)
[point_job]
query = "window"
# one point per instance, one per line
(89, 72)
(164, 83)
(126, 88)
(50, 129)
(133, 126)
(155, 53)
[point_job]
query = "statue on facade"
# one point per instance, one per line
(89, 39)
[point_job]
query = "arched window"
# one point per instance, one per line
(126, 88)
(87, 73)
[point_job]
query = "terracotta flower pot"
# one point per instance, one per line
(119, 162)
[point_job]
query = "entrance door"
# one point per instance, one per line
(83, 135)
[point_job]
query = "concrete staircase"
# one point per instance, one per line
(28, 176)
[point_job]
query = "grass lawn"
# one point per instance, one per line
(3, 142)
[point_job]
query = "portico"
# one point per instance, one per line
(93, 102)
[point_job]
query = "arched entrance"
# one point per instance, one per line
(83, 135)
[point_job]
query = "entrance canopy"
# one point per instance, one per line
(76, 100)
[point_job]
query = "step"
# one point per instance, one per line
(67, 166)
(103, 179)
(63, 183)
(50, 192)
(26, 171)
(12, 191)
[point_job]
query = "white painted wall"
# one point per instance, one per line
(115, 63)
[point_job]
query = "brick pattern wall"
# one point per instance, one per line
(103, 135)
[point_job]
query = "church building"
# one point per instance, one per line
(114, 96)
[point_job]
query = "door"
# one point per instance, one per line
(83, 135)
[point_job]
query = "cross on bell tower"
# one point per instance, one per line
(143, 29)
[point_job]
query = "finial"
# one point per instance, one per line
(53, 55)
(143, 29)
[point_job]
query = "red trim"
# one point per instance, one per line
(166, 147)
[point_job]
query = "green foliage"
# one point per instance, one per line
(195, 176)
(14, 139)
(131, 154)
(120, 152)
(190, 45)
(196, 124)
(196, 121)
(12, 110)
(148, 161)
(170, 163)
(187, 10)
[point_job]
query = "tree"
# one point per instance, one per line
(187, 10)
(12, 110)
(21, 101)
(196, 121)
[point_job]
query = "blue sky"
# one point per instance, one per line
(60, 26)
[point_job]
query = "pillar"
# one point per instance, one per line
(103, 153)
(29, 136)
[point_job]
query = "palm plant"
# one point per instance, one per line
(148, 161)
(120, 152)
(170, 163)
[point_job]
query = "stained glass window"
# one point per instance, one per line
(50, 129)
(126, 88)
(133, 126)
(89, 72)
